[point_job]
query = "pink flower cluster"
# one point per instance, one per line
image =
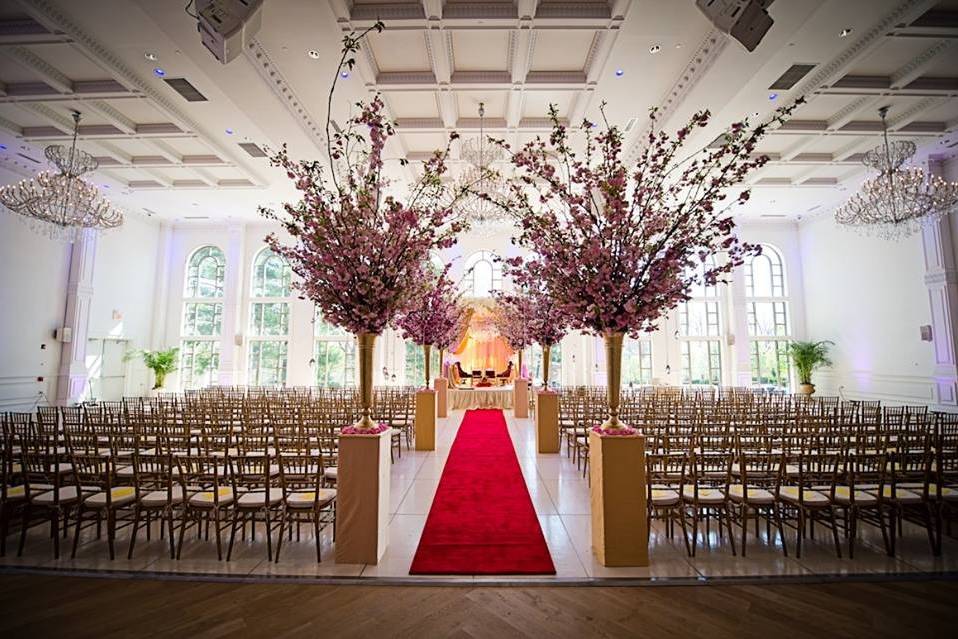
(433, 315)
(360, 254)
(615, 432)
(618, 245)
(530, 315)
(375, 430)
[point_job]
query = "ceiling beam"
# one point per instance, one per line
(113, 116)
(920, 64)
(165, 151)
(47, 73)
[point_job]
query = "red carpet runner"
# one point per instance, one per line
(482, 521)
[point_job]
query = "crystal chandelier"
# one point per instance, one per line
(899, 200)
(479, 179)
(61, 205)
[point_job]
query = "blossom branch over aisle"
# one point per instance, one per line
(618, 246)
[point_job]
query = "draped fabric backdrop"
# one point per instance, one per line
(481, 347)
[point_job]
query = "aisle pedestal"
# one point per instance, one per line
(441, 386)
(425, 420)
(362, 498)
(547, 422)
(620, 532)
(521, 391)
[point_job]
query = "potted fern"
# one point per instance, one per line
(807, 356)
(162, 363)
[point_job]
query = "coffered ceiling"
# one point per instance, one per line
(188, 144)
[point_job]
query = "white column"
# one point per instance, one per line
(741, 366)
(161, 287)
(72, 381)
(232, 365)
(941, 279)
(300, 347)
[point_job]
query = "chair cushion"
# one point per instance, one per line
(259, 497)
(843, 495)
(306, 499)
(331, 473)
(811, 497)
(756, 495)
(121, 496)
(16, 492)
(664, 497)
(901, 495)
(67, 494)
(157, 498)
(205, 498)
(706, 495)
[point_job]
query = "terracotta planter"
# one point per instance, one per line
(806, 389)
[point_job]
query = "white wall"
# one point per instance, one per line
(868, 296)
(33, 282)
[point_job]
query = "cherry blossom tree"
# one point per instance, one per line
(432, 316)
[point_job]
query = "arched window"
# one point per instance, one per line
(334, 354)
(769, 325)
(269, 319)
(202, 326)
(483, 275)
(637, 361)
(700, 331)
(555, 364)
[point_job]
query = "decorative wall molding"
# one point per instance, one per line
(866, 385)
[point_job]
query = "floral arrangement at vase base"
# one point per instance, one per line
(615, 432)
(355, 430)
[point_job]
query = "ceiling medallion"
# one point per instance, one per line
(479, 179)
(61, 204)
(898, 201)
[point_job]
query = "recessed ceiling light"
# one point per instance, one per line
(679, 45)
(655, 49)
(756, 114)
(313, 53)
(3, 147)
(105, 186)
(152, 57)
(847, 31)
(158, 72)
(344, 74)
(229, 131)
(619, 73)
(772, 96)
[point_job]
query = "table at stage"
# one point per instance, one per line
(495, 397)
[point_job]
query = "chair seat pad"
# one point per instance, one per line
(756, 495)
(706, 495)
(156, 498)
(900, 495)
(843, 495)
(664, 497)
(66, 494)
(15, 493)
(308, 498)
(120, 496)
(811, 497)
(259, 498)
(205, 499)
(331, 473)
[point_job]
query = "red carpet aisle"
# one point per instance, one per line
(482, 521)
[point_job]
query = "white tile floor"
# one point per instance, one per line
(561, 498)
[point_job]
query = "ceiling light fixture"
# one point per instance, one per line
(344, 75)
(158, 72)
(152, 57)
(847, 31)
(313, 53)
(654, 49)
(773, 96)
(619, 73)
(898, 201)
(229, 131)
(479, 178)
(61, 204)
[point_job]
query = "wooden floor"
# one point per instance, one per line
(51, 606)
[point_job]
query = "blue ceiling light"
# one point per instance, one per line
(773, 96)
(229, 131)
(3, 147)
(158, 72)
(344, 75)
(619, 73)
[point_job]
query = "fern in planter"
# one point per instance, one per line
(807, 356)
(162, 363)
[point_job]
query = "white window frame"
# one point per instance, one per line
(254, 369)
(191, 344)
(781, 311)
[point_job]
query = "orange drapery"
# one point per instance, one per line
(480, 348)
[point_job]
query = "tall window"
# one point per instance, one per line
(700, 331)
(637, 361)
(416, 364)
(555, 364)
(334, 355)
(202, 325)
(769, 325)
(269, 319)
(483, 275)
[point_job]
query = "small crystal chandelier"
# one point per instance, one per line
(61, 205)
(479, 180)
(898, 201)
